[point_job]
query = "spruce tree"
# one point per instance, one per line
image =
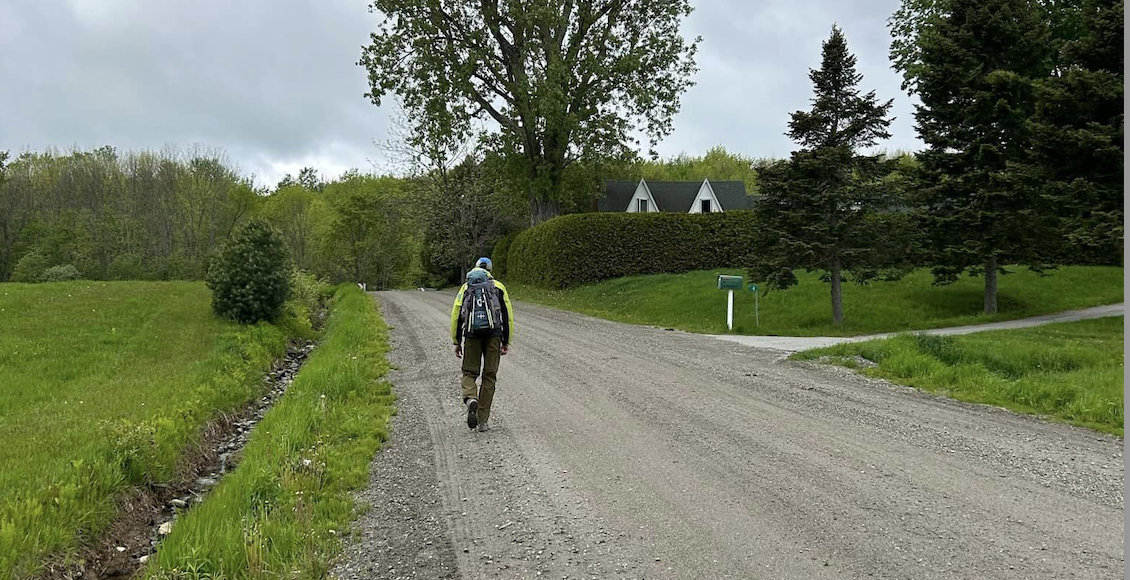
(1078, 130)
(250, 277)
(820, 206)
(975, 64)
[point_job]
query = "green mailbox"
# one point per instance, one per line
(729, 282)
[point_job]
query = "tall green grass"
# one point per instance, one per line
(1072, 371)
(282, 511)
(103, 385)
(692, 302)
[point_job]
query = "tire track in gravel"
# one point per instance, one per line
(630, 452)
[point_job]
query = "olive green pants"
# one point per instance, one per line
(481, 356)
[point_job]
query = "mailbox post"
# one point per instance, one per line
(756, 315)
(729, 283)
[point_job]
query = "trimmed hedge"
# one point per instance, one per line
(583, 248)
(500, 253)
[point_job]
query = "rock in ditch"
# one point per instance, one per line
(165, 529)
(178, 503)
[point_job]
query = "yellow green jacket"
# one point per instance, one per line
(508, 313)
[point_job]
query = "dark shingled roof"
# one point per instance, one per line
(674, 195)
(617, 194)
(732, 195)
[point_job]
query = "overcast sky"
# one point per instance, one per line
(275, 83)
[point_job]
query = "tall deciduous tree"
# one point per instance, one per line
(974, 64)
(562, 80)
(461, 221)
(820, 206)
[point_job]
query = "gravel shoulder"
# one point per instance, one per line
(630, 452)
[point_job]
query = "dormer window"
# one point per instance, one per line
(706, 206)
(642, 207)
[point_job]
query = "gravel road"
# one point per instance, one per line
(630, 452)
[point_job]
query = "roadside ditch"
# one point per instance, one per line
(147, 515)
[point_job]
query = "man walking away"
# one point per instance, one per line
(482, 325)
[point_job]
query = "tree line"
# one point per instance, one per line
(111, 215)
(162, 215)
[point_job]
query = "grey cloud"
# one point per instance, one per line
(754, 61)
(275, 84)
(263, 80)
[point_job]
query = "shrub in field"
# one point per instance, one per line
(250, 277)
(127, 267)
(30, 267)
(584, 248)
(61, 273)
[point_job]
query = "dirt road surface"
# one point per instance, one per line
(631, 452)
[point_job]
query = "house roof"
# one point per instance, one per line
(617, 194)
(732, 195)
(674, 195)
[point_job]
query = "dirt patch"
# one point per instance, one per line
(145, 515)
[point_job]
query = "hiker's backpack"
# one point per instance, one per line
(482, 311)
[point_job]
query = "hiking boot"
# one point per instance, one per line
(472, 413)
(483, 427)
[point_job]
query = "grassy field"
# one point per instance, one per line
(1072, 372)
(104, 385)
(692, 302)
(281, 514)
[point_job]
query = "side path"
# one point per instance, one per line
(799, 343)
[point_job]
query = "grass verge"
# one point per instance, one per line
(691, 301)
(105, 385)
(282, 511)
(1071, 372)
